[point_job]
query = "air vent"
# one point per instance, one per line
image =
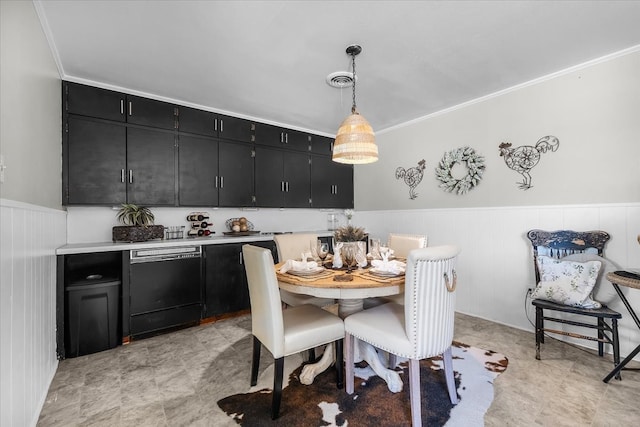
(340, 79)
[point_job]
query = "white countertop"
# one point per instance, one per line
(83, 248)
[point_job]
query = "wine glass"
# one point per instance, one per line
(349, 256)
(323, 250)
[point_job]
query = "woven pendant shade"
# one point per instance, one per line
(355, 142)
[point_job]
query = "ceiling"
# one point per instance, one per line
(268, 60)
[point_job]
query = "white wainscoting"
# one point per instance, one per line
(495, 267)
(29, 237)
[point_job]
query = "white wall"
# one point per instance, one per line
(32, 225)
(495, 267)
(30, 236)
(30, 109)
(591, 182)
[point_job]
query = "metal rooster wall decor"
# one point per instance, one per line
(524, 158)
(412, 177)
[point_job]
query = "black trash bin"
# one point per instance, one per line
(93, 304)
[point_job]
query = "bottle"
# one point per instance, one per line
(201, 224)
(196, 217)
(199, 233)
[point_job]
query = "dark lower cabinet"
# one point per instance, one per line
(226, 289)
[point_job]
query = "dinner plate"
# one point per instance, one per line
(309, 272)
(384, 273)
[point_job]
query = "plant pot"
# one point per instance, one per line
(137, 233)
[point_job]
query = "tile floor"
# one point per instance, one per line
(176, 379)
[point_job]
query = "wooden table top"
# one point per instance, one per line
(363, 285)
(623, 281)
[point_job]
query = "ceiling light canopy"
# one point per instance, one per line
(355, 141)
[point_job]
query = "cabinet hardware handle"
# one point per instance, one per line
(121, 175)
(221, 125)
(336, 189)
(130, 176)
(222, 182)
(130, 108)
(241, 260)
(286, 186)
(286, 138)
(122, 106)
(215, 125)
(281, 186)
(216, 181)
(281, 137)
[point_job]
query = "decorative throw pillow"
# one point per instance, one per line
(603, 292)
(566, 282)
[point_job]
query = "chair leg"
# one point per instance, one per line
(414, 392)
(348, 362)
(255, 363)
(339, 364)
(447, 360)
(616, 345)
(600, 336)
(277, 387)
(539, 331)
(393, 361)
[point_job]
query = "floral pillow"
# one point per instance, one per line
(566, 282)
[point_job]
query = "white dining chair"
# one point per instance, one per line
(419, 329)
(291, 246)
(284, 332)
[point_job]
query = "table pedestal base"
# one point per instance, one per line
(363, 351)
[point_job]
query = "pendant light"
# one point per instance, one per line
(355, 141)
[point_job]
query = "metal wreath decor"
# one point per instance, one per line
(466, 156)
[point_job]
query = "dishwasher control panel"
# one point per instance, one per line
(165, 254)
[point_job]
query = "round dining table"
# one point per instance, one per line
(350, 294)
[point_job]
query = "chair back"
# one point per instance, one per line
(403, 243)
(558, 244)
(290, 246)
(266, 309)
(430, 282)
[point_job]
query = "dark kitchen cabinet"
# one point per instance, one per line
(235, 171)
(283, 178)
(226, 289)
(331, 183)
(235, 129)
(95, 162)
(322, 145)
(108, 164)
(151, 171)
(196, 121)
(149, 112)
(275, 136)
(197, 171)
(91, 101)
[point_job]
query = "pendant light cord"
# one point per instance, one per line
(353, 67)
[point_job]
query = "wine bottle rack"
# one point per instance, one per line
(200, 224)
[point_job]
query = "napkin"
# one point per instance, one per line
(291, 264)
(394, 266)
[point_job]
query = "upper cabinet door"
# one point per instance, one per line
(197, 121)
(197, 171)
(235, 129)
(151, 167)
(275, 136)
(322, 145)
(235, 166)
(93, 102)
(95, 163)
(149, 112)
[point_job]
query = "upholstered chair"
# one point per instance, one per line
(419, 329)
(290, 246)
(284, 332)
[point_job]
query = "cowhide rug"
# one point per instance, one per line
(372, 404)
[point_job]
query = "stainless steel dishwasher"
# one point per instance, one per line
(165, 288)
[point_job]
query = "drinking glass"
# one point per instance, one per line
(323, 250)
(349, 256)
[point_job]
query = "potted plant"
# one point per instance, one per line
(138, 224)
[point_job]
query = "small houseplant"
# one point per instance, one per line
(137, 224)
(351, 245)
